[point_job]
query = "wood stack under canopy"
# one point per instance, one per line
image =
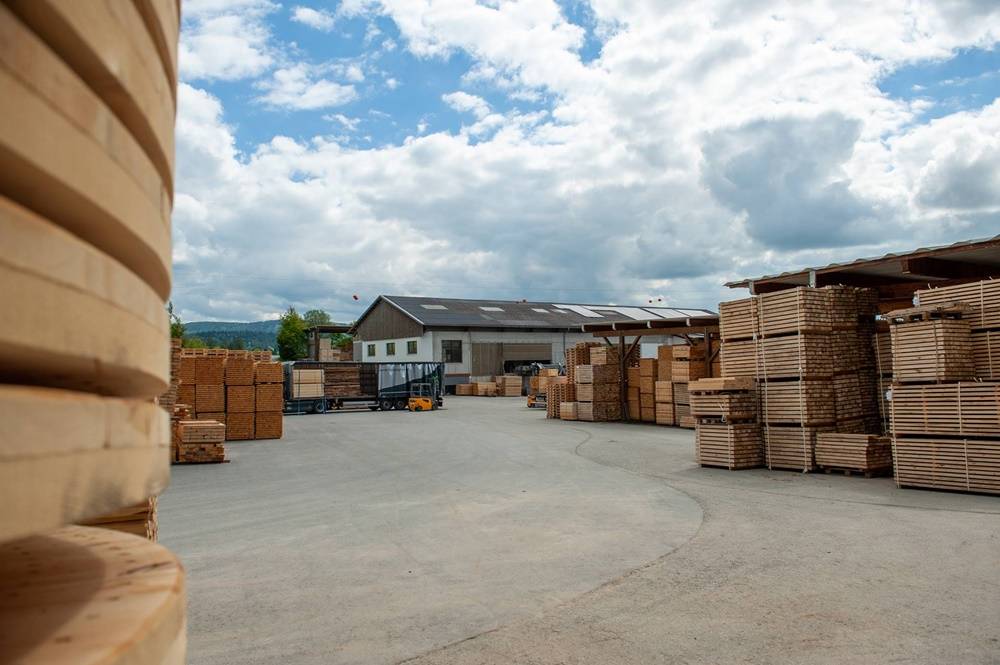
(727, 434)
(663, 390)
(810, 351)
(602, 384)
(86, 192)
(945, 423)
(556, 394)
(648, 371)
(868, 454)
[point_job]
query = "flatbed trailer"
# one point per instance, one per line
(380, 386)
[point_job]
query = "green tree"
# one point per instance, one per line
(176, 325)
(292, 336)
(236, 344)
(316, 317)
(193, 343)
(343, 341)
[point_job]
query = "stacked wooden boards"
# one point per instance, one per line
(598, 391)
(663, 389)
(240, 391)
(201, 442)
(555, 395)
(867, 454)
(509, 385)
(983, 317)
(87, 97)
(810, 352)
(139, 520)
(945, 419)
(727, 433)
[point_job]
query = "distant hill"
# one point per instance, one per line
(255, 334)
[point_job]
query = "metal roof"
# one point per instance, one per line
(964, 260)
(554, 315)
(680, 325)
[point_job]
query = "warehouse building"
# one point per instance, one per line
(484, 337)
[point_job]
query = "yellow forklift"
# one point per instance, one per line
(422, 398)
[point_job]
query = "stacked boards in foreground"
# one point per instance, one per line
(87, 97)
(945, 396)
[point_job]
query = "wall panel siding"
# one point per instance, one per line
(487, 359)
(387, 322)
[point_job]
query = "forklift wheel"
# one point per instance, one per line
(418, 408)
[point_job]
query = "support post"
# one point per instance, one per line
(623, 384)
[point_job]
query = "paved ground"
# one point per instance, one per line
(487, 534)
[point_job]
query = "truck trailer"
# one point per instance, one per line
(377, 386)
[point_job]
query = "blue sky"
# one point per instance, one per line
(614, 151)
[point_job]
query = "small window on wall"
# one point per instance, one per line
(390, 348)
(371, 350)
(411, 347)
(451, 350)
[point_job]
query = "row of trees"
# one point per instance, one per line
(292, 340)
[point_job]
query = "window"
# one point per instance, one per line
(411, 347)
(390, 348)
(451, 350)
(371, 350)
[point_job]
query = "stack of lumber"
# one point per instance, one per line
(648, 371)
(730, 446)
(598, 392)
(538, 384)
(238, 390)
(464, 389)
(931, 343)
(688, 363)
(810, 350)
(341, 380)
(86, 192)
(139, 520)
(556, 394)
(882, 345)
(578, 354)
(727, 434)
(663, 397)
(240, 399)
(632, 393)
(169, 398)
(682, 405)
(308, 383)
(509, 385)
(986, 354)
(201, 441)
(945, 424)
(567, 411)
(868, 454)
(484, 389)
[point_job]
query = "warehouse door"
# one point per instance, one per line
(486, 359)
(541, 353)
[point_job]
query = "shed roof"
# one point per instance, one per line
(559, 315)
(966, 260)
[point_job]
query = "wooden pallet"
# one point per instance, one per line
(982, 297)
(966, 408)
(729, 446)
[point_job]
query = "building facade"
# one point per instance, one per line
(482, 337)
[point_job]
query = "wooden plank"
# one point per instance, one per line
(90, 595)
(69, 456)
(983, 297)
(729, 446)
(54, 282)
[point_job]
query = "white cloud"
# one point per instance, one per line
(707, 141)
(350, 124)
(319, 20)
(463, 102)
(225, 40)
(299, 87)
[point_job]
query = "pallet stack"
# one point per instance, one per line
(727, 434)
(811, 354)
(86, 190)
(556, 394)
(945, 424)
(866, 454)
(598, 392)
(240, 398)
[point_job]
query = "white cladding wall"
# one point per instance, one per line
(558, 340)
(425, 351)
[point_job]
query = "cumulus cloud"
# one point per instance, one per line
(707, 141)
(225, 40)
(314, 18)
(301, 87)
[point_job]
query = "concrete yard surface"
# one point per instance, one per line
(485, 533)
